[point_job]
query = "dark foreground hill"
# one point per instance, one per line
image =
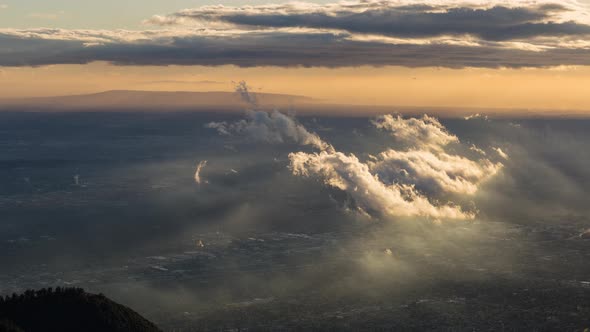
(67, 309)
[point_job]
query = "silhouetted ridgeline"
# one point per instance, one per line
(67, 309)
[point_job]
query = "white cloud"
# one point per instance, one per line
(391, 184)
(200, 167)
(348, 173)
(424, 132)
(433, 173)
(394, 183)
(476, 149)
(476, 116)
(501, 153)
(402, 183)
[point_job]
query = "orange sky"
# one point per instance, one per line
(561, 88)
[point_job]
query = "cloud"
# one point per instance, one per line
(425, 132)
(409, 33)
(348, 173)
(276, 47)
(3, 6)
(395, 183)
(476, 116)
(425, 164)
(406, 19)
(402, 183)
(274, 127)
(200, 167)
(501, 153)
(476, 149)
(433, 173)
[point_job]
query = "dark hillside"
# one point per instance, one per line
(67, 309)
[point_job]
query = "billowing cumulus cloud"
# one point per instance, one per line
(392, 184)
(402, 183)
(348, 173)
(433, 173)
(425, 164)
(408, 182)
(424, 132)
(405, 33)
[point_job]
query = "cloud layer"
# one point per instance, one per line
(353, 33)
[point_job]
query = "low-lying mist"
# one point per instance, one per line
(269, 220)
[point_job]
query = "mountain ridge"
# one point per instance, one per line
(231, 102)
(149, 100)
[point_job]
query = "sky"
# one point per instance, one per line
(448, 53)
(107, 14)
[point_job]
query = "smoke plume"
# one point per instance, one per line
(271, 127)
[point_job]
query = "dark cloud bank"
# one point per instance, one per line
(495, 23)
(279, 49)
(333, 35)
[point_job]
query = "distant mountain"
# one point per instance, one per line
(68, 310)
(215, 101)
(149, 100)
(220, 101)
